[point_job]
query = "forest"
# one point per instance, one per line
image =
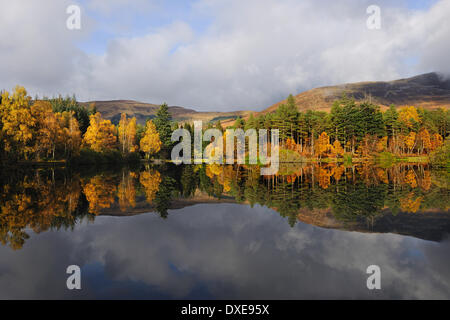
(355, 129)
(62, 129)
(59, 128)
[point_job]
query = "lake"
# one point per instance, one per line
(225, 232)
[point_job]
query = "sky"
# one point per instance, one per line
(216, 55)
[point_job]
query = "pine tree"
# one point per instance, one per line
(163, 124)
(390, 118)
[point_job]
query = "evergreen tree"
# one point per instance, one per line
(163, 124)
(251, 123)
(219, 126)
(239, 123)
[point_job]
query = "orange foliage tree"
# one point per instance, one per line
(410, 141)
(17, 122)
(409, 116)
(50, 130)
(72, 134)
(100, 134)
(100, 193)
(436, 141)
(336, 149)
(424, 140)
(127, 134)
(150, 181)
(150, 142)
(323, 145)
(126, 191)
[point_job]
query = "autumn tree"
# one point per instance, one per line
(126, 191)
(290, 144)
(382, 144)
(31, 129)
(72, 134)
(337, 149)
(55, 131)
(410, 141)
(150, 142)
(127, 134)
(100, 193)
(35, 201)
(411, 203)
(150, 181)
(17, 122)
(409, 117)
(369, 145)
(71, 105)
(100, 134)
(436, 141)
(50, 130)
(324, 177)
(424, 140)
(323, 145)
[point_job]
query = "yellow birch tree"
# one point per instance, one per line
(150, 142)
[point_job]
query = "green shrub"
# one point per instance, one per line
(290, 156)
(133, 157)
(87, 157)
(441, 157)
(112, 156)
(386, 159)
(90, 157)
(347, 159)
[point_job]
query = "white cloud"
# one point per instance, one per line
(252, 54)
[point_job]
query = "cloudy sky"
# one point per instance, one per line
(215, 55)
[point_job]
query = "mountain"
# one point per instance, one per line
(430, 91)
(142, 111)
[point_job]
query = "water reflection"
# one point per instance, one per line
(226, 251)
(407, 199)
(227, 232)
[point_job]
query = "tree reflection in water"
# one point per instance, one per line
(44, 199)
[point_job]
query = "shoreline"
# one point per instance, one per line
(412, 159)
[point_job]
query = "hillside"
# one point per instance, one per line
(112, 110)
(429, 91)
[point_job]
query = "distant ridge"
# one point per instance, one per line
(429, 91)
(142, 111)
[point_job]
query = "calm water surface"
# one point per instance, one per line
(210, 232)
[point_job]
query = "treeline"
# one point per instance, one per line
(357, 129)
(62, 129)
